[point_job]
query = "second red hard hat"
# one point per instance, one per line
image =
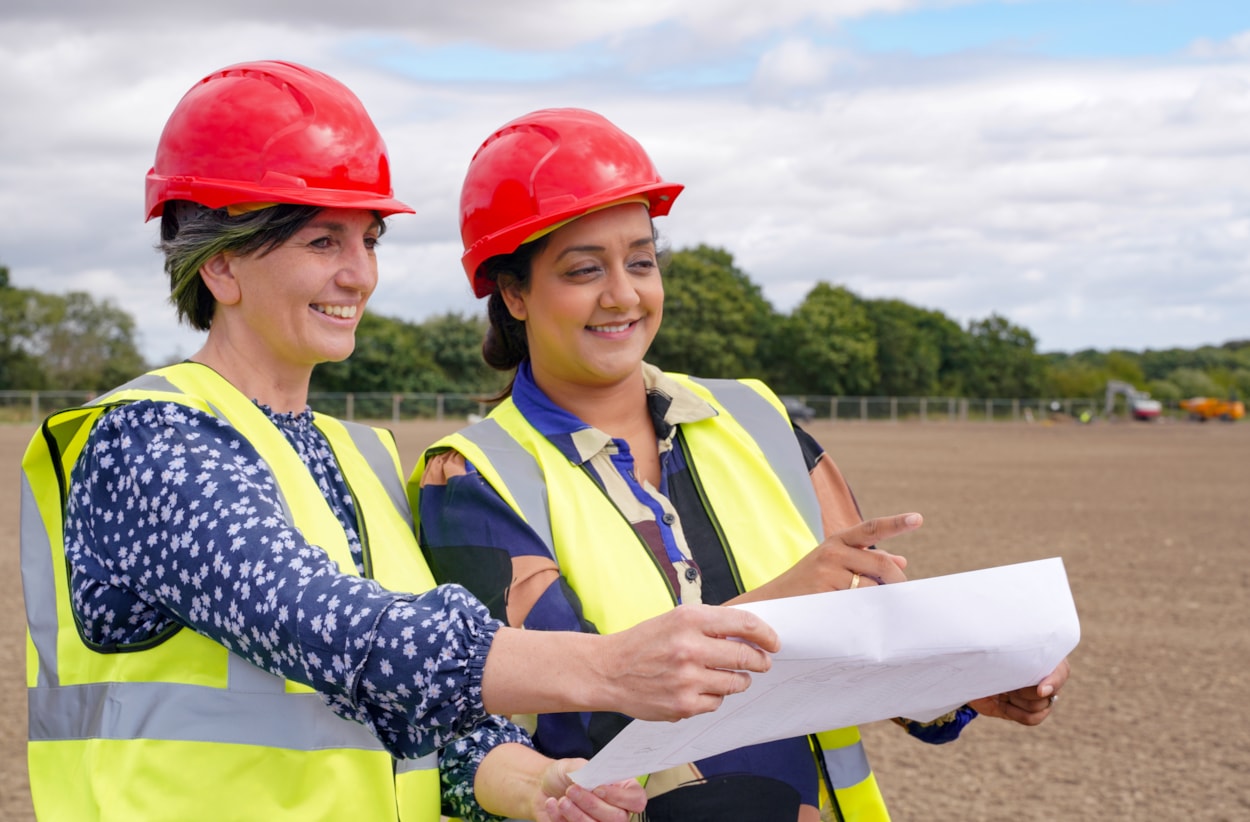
(544, 168)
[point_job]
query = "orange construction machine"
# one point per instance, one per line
(1210, 408)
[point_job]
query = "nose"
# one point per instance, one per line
(358, 269)
(620, 292)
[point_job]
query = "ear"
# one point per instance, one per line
(218, 277)
(514, 299)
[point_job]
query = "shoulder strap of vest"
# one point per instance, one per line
(757, 410)
(520, 473)
(378, 449)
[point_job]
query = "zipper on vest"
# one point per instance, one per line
(645, 547)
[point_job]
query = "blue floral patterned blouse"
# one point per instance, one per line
(174, 520)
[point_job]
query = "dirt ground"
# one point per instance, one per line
(1151, 521)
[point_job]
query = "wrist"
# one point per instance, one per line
(509, 781)
(517, 676)
(591, 682)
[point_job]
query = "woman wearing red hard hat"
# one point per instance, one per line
(603, 491)
(229, 615)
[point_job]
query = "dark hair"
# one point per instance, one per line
(192, 234)
(505, 346)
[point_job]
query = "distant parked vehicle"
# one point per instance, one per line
(798, 410)
(1210, 408)
(1140, 405)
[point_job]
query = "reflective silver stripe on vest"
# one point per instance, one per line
(520, 473)
(144, 382)
(429, 762)
(160, 710)
(847, 766)
(39, 586)
(368, 443)
(762, 421)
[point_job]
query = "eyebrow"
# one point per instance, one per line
(574, 249)
(335, 225)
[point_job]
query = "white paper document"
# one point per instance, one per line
(916, 649)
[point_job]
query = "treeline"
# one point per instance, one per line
(717, 323)
(63, 341)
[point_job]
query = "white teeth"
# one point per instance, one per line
(345, 312)
(611, 329)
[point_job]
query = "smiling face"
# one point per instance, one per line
(299, 304)
(594, 300)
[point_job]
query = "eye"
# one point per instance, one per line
(372, 243)
(584, 272)
(321, 242)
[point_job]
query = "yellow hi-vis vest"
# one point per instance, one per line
(757, 490)
(179, 728)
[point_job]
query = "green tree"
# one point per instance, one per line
(441, 354)
(826, 346)
(1002, 360)
(1239, 383)
(1165, 390)
(453, 344)
(1126, 367)
(1073, 377)
(917, 349)
(70, 341)
(19, 369)
(1194, 383)
(84, 343)
(388, 358)
(714, 317)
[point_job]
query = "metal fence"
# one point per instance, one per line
(33, 406)
(944, 409)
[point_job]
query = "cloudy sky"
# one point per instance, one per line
(1079, 166)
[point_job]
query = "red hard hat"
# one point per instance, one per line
(545, 168)
(271, 132)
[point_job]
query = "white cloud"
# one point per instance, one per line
(794, 63)
(1100, 203)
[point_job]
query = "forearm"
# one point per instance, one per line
(517, 676)
(510, 781)
(462, 776)
(671, 666)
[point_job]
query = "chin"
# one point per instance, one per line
(337, 354)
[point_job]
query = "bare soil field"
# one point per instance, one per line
(1153, 524)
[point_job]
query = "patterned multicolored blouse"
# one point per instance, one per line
(472, 536)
